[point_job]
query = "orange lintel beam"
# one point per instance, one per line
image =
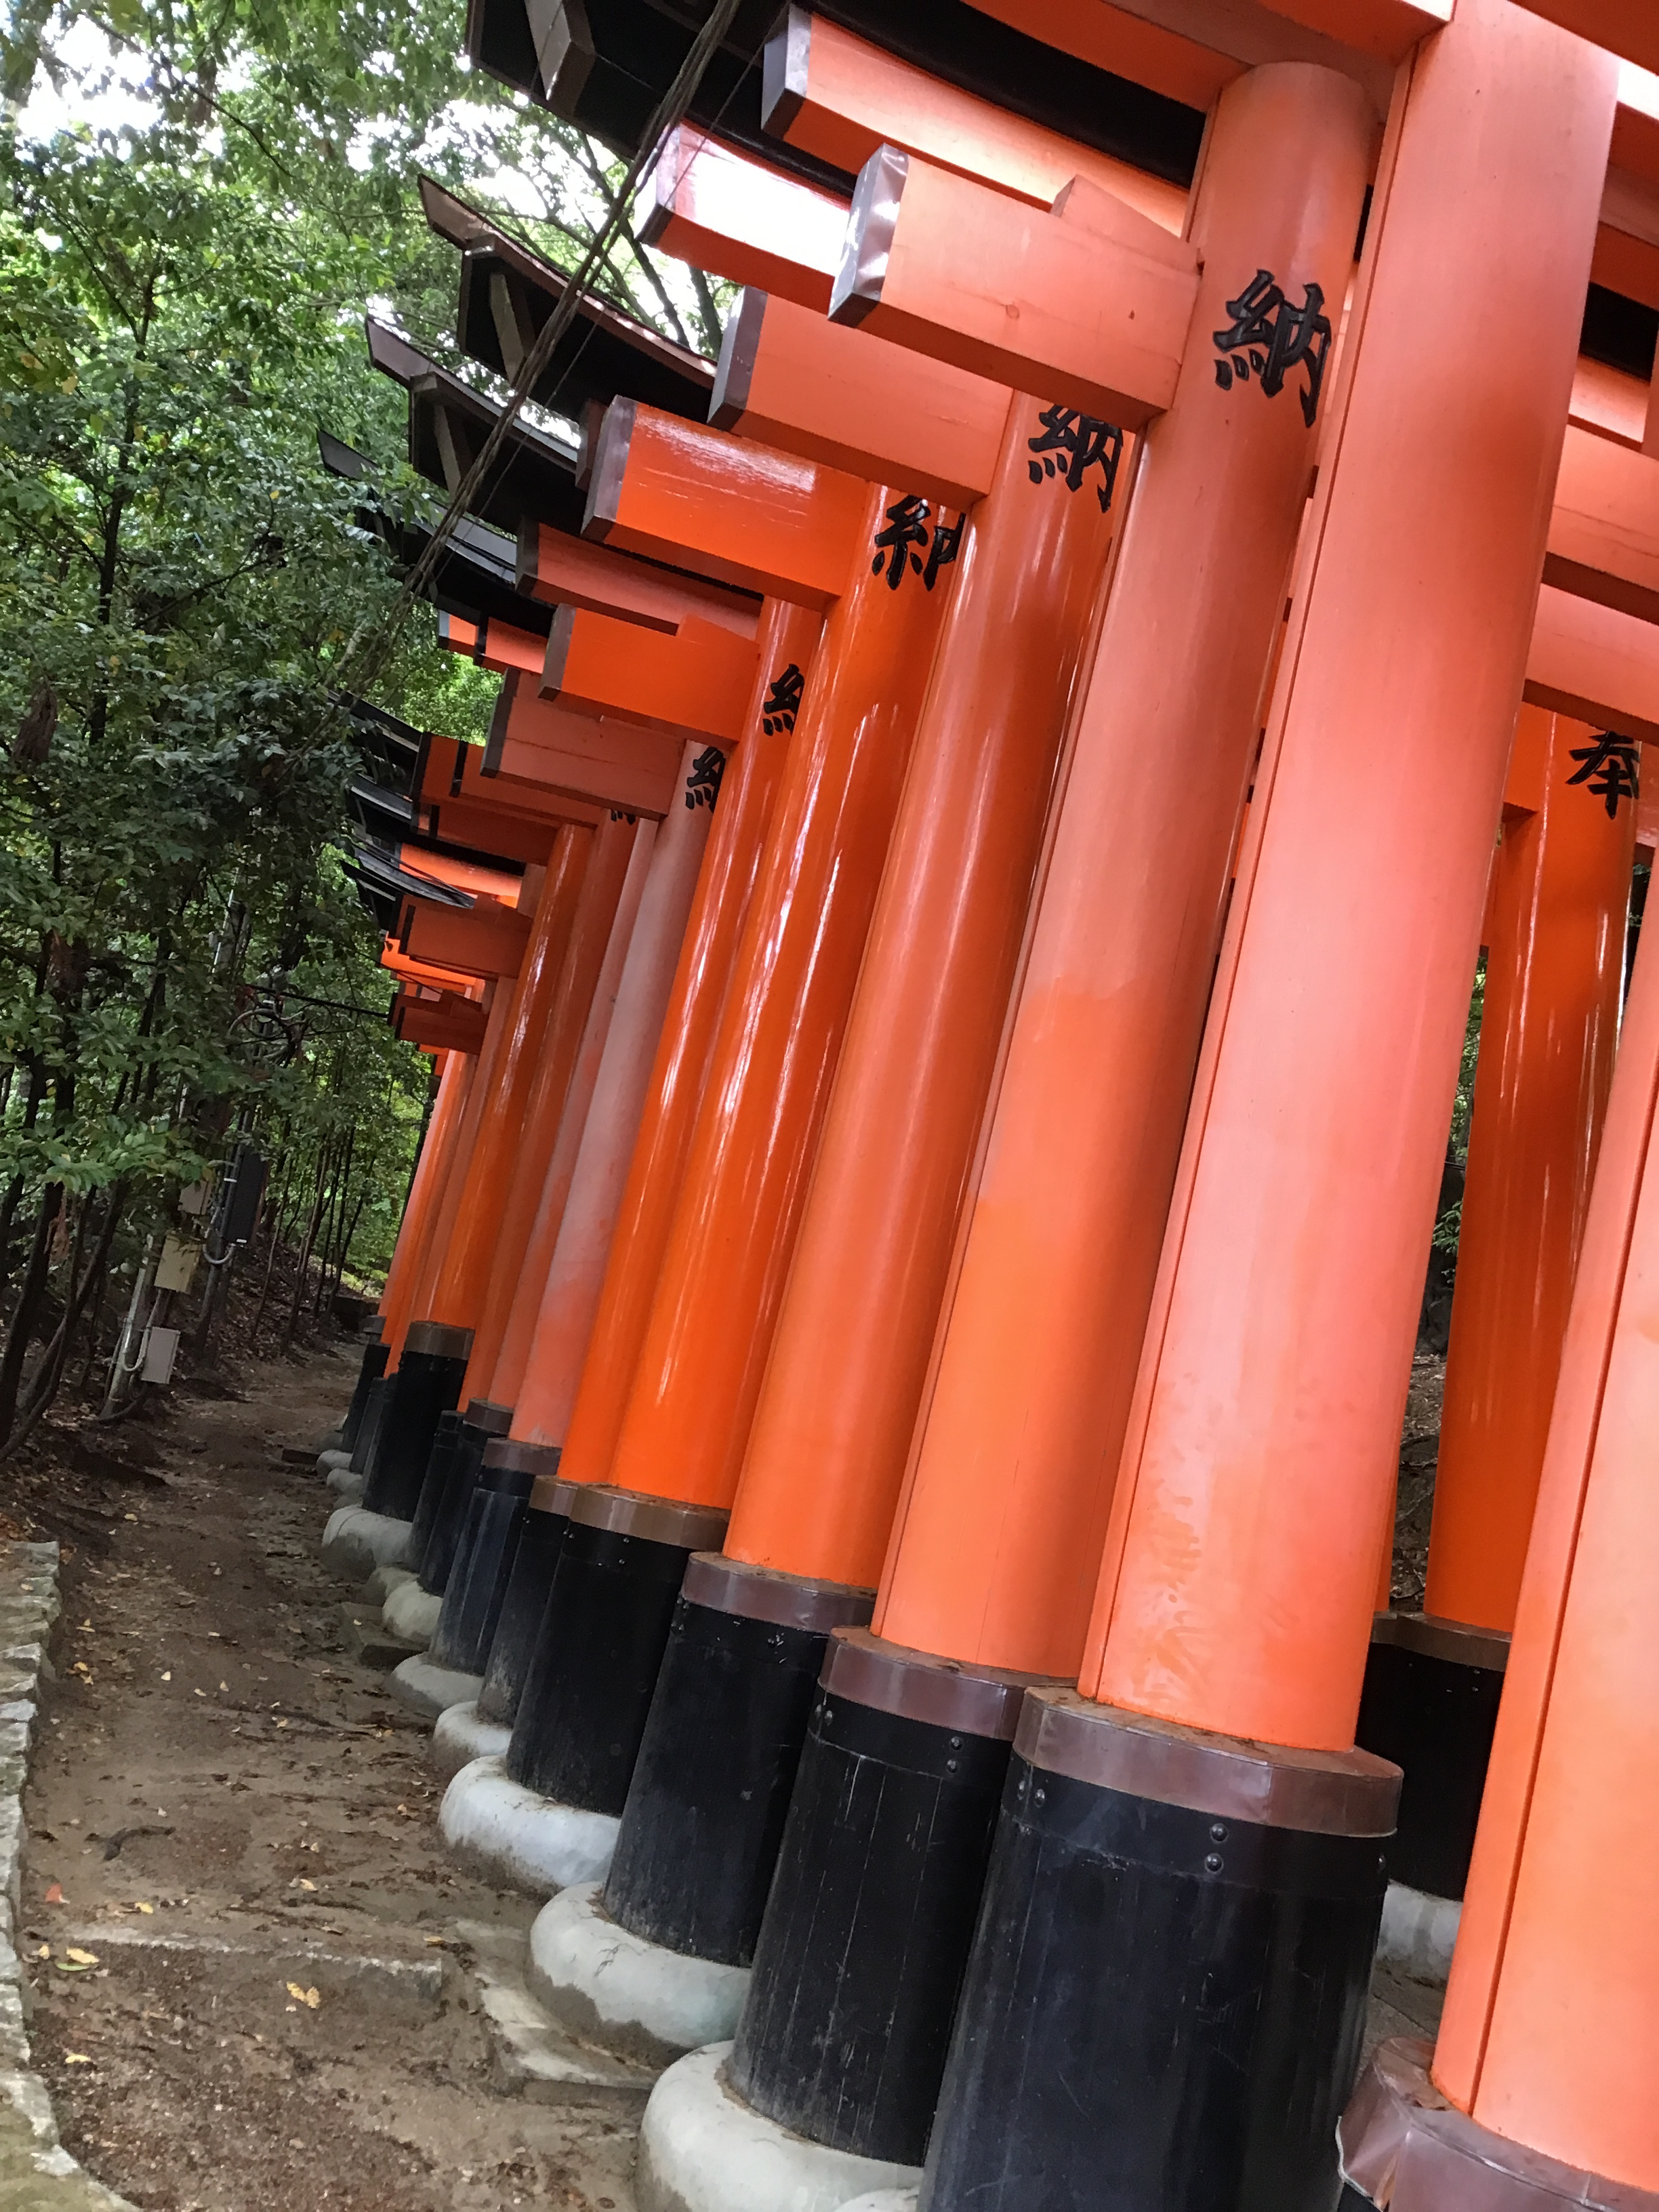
(446, 1023)
(1090, 305)
(788, 379)
(741, 513)
(496, 645)
(735, 217)
(406, 970)
(571, 572)
(1604, 530)
(495, 884)
(553, 747)
(1596, 663)
(479, 940)
(835, 95)
(694, 685)
(1626, 27)
(474, 809)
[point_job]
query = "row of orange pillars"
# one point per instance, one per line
(931, 1250)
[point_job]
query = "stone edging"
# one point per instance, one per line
(37, 2174)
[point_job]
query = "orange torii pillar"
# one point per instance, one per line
(450, 1075)
(842, 2038)
(670, 1483)
(667, 1012)
(1169, 1972)
(446, 1313)
(788, 638)
(1549, 1029)
(826, 1453)
(492, 1537)
(1541, 2092)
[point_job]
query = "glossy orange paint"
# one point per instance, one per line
(836, 96)
(751, 1156)
(1628, 27)
(705, 202)
(1549, 2035)
(1549, 1030)
(723, 506)
(551, 746)
(1236, 1587)
(998, 1537)
(437, 1020)
(849, 1356)
(422, 972)
(1604, 529)
(458, 1295)
(691, 685)
(496, 885)
(792, 381)
(493, 644)
(1595, 663)
(569, 571)
(499, 1005)
(455, 789)
(595, 865)
(1095, 312)
(508, 1375)
(1158, 43)
(788, 641)
(452, 1074)
(478, 940)
(571, 1295)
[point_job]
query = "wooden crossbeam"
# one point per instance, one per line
(571, 572)
(696, 685)
(447, 1022)
(1597, 663)
(721, 211)
(479, 940)
(743, 513)
(552, 747)
(1604, 529)
(789, 378)
(1089, 305)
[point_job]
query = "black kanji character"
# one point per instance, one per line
(1612, 768)
(1088, 443)
(702, 785)
(947, 544)
(1269, 335)
(620, 814)
(783, 700)
(906, 531)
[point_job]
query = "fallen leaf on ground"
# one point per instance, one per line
(304, 1884)
(76, 2058)
(311, 1998)
(140, 1906)
(166, 1673)
(45, 1951)
(54, 1892)
(81, 1958)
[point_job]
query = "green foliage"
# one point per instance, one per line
(182, 958)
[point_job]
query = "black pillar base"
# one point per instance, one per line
(440, 1465)
(1400, 2137)
(541, 1539)
(483, 1554)
(583, 1708)
(1166, 2001)
(370, 1430)
(375, 1355)
(867, 1929)
(428, 1382)
(705, 1812)
(433, 1546)
(1430, 1706)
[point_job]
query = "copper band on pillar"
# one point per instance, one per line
(654, 1520)
(435, 1340)
(1399, 2134)
(538, 1460)
(1444, 1639)
(1327, 1793)
(483, 1413)
(766, 1593)
(919, 1685)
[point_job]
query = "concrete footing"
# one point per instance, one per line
(382, 1584)
(346, 1485)
(614, 1989)
(1417, 1933)
(331, 1463)
(428, 1689)
(885, 2200)
(463, 1735)
(702, 2149)
(355, 1542)
(412, 1612)
(515, 1836)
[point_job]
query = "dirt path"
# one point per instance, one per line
(223, 1804)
